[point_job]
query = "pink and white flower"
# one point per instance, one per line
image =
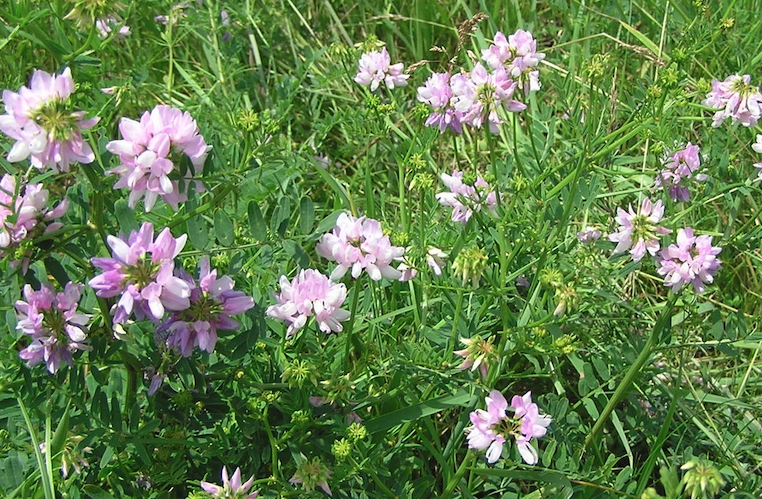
(464, 199)
(360, 244)
(735, 98)
(518, 54)
(436, 92)
(106, 26)
(52, 322)
(679, 170)
(375, 67)
(150, 151)
(230, 488)
(637, 232)
(39, 117)
(479, 96)
(142, 270)
(310, 294)
(212, 302)
(693, 260)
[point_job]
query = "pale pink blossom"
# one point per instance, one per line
(436, 92)
(142, 271)
(518, 54)
(375, 67)
(480, 95)
(148, 152)
(360, 244)
(638, 232)
(310, 294)
(681, 168)
(464, 199)
(106, 26)
(758, 147)
(692, 260)
(41, 120)
(735, 98)
(230, 488)
(533, 425)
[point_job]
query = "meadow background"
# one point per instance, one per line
(651, 393)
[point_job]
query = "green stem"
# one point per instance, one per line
(273, 443)
(47, 478)
(350, 327)
(458, 475)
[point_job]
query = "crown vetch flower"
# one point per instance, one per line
(693, 260)
(735, 98)
(39, 117)
(230, 488)
(24, 216)
(212, 303)
(436, 92)
(312, 474)
(52, 321)
(375, 67)
(478, 354)
(149, 150)
(638, 231)
(480, 94)
(310, 294)
(518, 54)
(492, 428)
(141, 269)
(758, 147)
(360, 244)
(679, 170)
(106, 25)
(464, 198)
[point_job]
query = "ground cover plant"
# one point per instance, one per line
(380, 249)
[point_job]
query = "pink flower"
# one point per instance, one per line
(588, 236)
(679, 170)
(230, 489)
(142, 271)
(52, 321)
(435, 258)
(734, 98)
(312, 474)
(212, 303)
(148, 152)
(310, 294)
(478, 354)
(360, 244)
(693, 260)
(46, 130)
(24, 216)
(518, 54)
(464, 198)
(491, 428)
(107, 24)
(479, 95)
(637, 232)
(436, 92)
(375, 67)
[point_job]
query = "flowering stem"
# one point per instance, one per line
(455, 318)
(350, 326)
(273, 443)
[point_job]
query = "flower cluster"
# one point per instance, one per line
(310, 294)
(39, 117)
(492, 428)
(142, 270)
(24, 216)
(478, 354)
(473, 98)
(150, 151)
(212, 302)
(735, 98)
(52, 322)
(465, 197)
(588, 235)
(375, 67)
(107, 25)
(230, 488)
(638, 231)
(679, 169)
(360, 244)
(693, 260)
(312, 474)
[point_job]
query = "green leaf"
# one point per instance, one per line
(61, 433)
(296, 252)
(418, 411)
(95, 492)
(198, 232)
(223, 228)
(256, 222)
(279, 221)
(306, 215)
(125, 216)
(54, 268)
(545, 476)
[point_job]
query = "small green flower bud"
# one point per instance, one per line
(470, 265)
(341, 449)
(702, 479)
(357, 432)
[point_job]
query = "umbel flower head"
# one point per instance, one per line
(693, 260)
(465, 198)
(312, 474)
(492, 428)
(637, 232)
(478, 354)
(679, 170)
(437, 93)
(52, 322)
(230, 488)
(310, 294)
(518, 54)
(360, 244)
(735, 98)
(212, 302)
(149, 152)
(479, 95)
(24, 216)
(702, 479)
(46, 129)
(142, 269)
(375, 67)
